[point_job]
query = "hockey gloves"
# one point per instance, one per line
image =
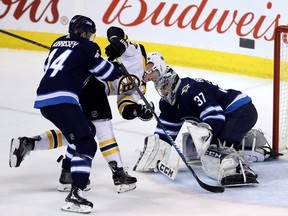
(138, 110)
(144, 113)
(116, 48)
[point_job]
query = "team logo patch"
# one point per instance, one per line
(185, 89)
(94, 113)
(125, 85)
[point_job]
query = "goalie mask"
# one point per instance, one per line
(167, 86)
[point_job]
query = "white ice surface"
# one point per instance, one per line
(31, 188)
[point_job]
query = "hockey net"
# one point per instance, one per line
(280, 91)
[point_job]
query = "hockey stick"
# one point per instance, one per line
(24, 39)
(215, 189)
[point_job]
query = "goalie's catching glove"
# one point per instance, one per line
(116, 48)
(138, 110)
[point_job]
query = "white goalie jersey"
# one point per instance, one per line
(134, 61)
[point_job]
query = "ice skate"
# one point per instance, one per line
(77, 202)
(122, 180)
(65, 182)
(19, 149)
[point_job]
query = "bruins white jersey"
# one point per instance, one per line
(134, 61)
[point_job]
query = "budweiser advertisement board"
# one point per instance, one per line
(206, 24)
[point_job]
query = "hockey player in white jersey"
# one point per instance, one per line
(134, 60)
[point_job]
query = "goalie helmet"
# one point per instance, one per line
(167, 86)
(80, 24)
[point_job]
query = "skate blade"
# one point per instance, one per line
(12, 158)
(125, 188)
(64, 187)
(242, 184)
(71, 207)
(67, 188)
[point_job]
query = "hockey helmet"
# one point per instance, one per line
(167, 85)
(80, 24)
(158, 62)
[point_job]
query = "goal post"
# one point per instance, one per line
(280, 89)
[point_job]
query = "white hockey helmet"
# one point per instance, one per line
(158, 62)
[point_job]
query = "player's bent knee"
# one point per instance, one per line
(86, 146)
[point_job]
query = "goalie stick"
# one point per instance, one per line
(24, 39)
(211, 188)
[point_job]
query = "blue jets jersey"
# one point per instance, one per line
(70, 62)
(201, 101)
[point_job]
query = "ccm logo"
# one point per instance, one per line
(166, 170)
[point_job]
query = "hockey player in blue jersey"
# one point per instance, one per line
(100, 114)
(73, 58)
(213, 116)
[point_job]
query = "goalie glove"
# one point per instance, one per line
(201, 135)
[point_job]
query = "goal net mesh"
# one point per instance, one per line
(280, 107)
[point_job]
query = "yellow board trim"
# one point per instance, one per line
(174, 55)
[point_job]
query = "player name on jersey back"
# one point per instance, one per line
(71, 44)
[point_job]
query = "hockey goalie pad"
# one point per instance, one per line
(255, 147)
(189, 149)
(154, 150)
(227, 166)
(201, 135)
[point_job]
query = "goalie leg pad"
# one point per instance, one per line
(166, 170)
(154, 150)
(227, 166)
(255, 147)
(201, 136)
(188, 146)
